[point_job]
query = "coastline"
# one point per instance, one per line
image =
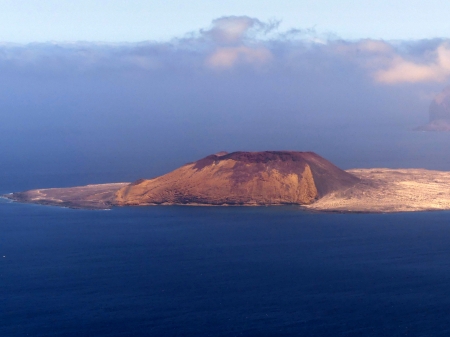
(378, 190)
(303, 208)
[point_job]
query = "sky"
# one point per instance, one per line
(100, 91)
(25, 21)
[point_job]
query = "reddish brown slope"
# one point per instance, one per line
(242, 178)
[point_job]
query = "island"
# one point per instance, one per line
(264, 179)
(439, 113)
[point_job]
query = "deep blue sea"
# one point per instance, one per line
(222, 271)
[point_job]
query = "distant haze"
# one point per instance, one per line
(125, 111)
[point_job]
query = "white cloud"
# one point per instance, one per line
(227, 57)
(235, 42)
(235, 29)
(401, 70)
(231, 29)
(398, 62)
(245, 42)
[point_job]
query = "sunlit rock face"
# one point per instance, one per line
(439, 113)
(242, 178)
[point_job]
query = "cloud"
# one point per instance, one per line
(229, 30)
(366, 47)
(401, 70)
(235, 29)
(240, 42)
(374, 46)
(236, 42)
(398, 62)
(370, 55)
(227, 57)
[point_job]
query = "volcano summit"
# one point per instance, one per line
(242, 178)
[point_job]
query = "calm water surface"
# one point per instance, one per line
(207, 271)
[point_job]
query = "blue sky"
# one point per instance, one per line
(25, 21)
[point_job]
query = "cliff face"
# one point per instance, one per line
(242, 178)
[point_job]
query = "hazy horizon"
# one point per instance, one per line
(124, 111)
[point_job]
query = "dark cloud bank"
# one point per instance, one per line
(119, 112)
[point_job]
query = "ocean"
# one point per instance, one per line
(222, 271)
